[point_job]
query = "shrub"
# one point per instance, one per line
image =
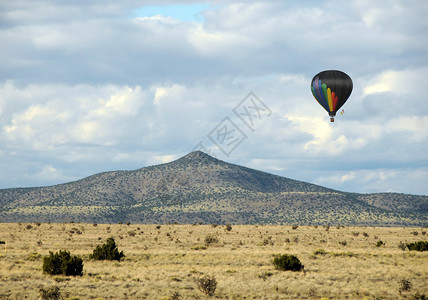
(198, 247)
(320, 251)
(405, 285)
(418, 296)
(209, 239)
(175, 296)
(343, 243)
(51, 293)
(402, 246)
(207, 285)
(418, 246)
(108, 251)
(265, 275)
(379, 243)
(287, 263)
(62, 263)
(34, 256)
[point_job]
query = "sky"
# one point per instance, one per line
(94, 86)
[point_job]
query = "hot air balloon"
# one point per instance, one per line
(331, 89)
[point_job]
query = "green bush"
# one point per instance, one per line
(287, 263)
(379, 243)
(108, 251)
(62, 263)
(418, 246)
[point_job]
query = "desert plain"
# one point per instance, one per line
(165, 261)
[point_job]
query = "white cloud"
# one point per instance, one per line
(162, 159)
(375, 180)
(403, 82)
(91, 87)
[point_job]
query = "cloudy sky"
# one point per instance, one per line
(93, 86)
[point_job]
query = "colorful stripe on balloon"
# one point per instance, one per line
(323, 94)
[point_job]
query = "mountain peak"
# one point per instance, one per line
(198, 157)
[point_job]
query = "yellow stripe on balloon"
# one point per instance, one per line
(330, 102)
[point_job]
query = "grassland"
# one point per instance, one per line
(163, 262)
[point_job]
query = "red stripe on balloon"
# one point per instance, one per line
(334, 100)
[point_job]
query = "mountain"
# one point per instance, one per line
(199, 188)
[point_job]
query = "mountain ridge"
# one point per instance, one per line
(201, 188)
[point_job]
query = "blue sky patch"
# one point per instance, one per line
(183, 12)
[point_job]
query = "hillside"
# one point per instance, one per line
(199, 188)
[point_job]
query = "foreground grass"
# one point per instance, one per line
(343, 262)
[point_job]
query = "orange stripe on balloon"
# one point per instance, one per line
(330, 103)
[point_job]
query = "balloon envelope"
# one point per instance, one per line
(331, 89)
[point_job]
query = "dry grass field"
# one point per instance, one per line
(164, 262)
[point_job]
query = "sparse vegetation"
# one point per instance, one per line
(320, 252)
(210, 239)
(404, 285)
(418, 296)
(265, 275)
(51, 293)
(402, 245)
(287, 262)
(198, 247)
(207, 285)
(243, 269)
(62, 263)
